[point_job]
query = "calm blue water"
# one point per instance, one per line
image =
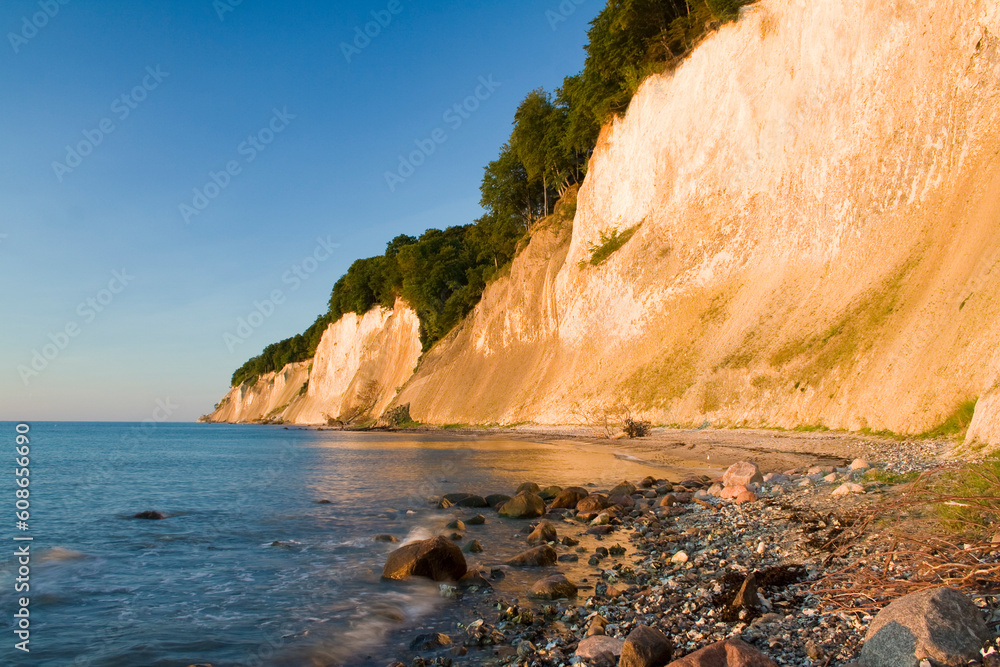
(209, 584)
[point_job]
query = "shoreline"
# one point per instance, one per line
(706, 451)
(680, 566)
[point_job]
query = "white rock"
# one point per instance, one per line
(831, 478)
(846, 488)
(679, 557)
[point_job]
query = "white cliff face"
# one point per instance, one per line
(359, 365)
(267, 398)
(816, 194)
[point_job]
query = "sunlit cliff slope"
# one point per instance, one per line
(815, 199)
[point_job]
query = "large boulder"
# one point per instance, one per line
(537, 557)
(472, 501)
(438, 559)
(646, 647)
(554, 587)
(621, 500)
(524, 505)
(624, 488)
(550, 492)
(939, 624)
(730, 652)
(543, 532)
(598, 649)
(497, 499)
(569, 497)
(595, 502)
(743, 473)
(529, 487)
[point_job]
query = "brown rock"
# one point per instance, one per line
(569, 498)
(624, 488)
(745, 496)
(646, 647)
(472, 501)
(743, 473)
(474, 579)
(529, 487)
(523, 506)
(543, 532)
(728, 653)
(550, 492)
(595, 502)
(438, 559)
(621, 500)
(554, 587)
(537, 557)
(497, 499)
(597, 647)
(730, 492)
(746, 597)
(668, 500)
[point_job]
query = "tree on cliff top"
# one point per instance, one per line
(442, 273)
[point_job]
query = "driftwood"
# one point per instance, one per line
(914, 560)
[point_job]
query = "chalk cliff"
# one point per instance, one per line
(813, 204)
(815, 199)
(361, 361)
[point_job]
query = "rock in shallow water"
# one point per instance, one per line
(595, 502)
(543, 532)
(523, 506)
(430, 641)
(537, 557)
(939, 624)
(438, 559)
(497, 499)
(553, 587)
(150, 515)
(569, 498)
(529, 487)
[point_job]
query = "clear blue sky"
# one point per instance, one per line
(153, 97)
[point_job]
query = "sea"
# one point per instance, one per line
(266, 553)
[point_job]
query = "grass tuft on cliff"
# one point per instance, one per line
(609, 244)
(956, 424)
